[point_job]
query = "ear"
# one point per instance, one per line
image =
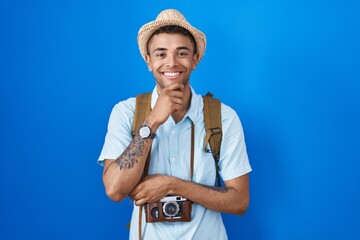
(148, 62)
(195, 61)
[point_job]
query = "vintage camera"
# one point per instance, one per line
(169, 209)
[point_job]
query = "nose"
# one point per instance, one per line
(171, 61)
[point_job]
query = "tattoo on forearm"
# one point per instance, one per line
(218, 189)
(130, 156)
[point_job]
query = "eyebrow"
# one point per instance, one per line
(159, 49)
(178, 48)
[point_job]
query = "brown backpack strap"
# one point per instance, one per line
(192, 151)
(142, 109)
(213, 127)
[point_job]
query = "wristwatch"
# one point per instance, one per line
(146, 133)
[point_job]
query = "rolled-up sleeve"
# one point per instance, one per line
(118, 135)
(234, 161)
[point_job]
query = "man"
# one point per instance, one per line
(172, 48)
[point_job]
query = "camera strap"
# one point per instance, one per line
(146, 172)
(192, 151)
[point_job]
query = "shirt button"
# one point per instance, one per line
(173, 159)
(172, 132)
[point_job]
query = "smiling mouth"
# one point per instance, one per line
(171, 74)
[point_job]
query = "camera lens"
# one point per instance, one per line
(171, 208)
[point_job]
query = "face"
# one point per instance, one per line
(171, 59)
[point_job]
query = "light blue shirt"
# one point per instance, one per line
(170, 155)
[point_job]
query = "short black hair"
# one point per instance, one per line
(172, 29)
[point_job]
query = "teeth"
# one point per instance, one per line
(171, 74)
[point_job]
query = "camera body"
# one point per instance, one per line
(169, 209)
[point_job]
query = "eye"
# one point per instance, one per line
(183, 53)
(160, 54)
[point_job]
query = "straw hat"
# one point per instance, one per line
(166, 18)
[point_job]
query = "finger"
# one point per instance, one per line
(146, 200)
(135, 196)
(135, 191)
(140, 199)
(177, 94)
(132, 196)
(139, 202)
(138, 196)
(177, 101)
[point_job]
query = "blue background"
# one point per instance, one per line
(291, 70)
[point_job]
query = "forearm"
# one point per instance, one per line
(232, 198)
(121, 175)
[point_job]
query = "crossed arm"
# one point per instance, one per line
(122, 176)
(232, 198)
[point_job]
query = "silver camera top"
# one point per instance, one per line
(173, 198)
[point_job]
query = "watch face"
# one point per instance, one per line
(144, 131)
